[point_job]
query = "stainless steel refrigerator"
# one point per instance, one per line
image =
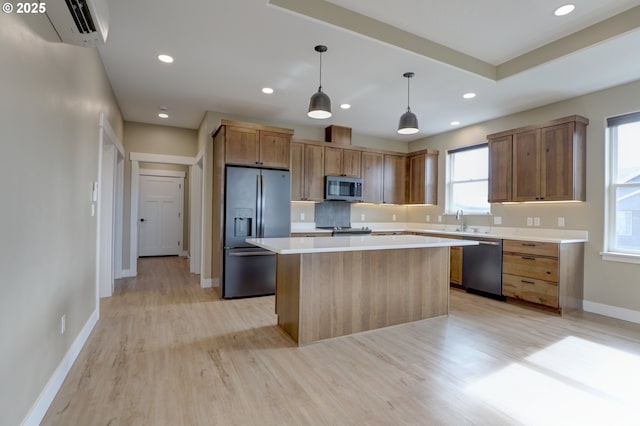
(257, 205)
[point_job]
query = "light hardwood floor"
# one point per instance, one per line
(166, 352)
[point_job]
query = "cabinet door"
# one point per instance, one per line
(417, 178)
(241, 146)
(372, 169)
(333, 161)
(557, 167)
(351, 163)
(500, 169)
(274, 149)
(297, 171)
(526, 166)
(313, 172)
(455, 265)
(395, 179)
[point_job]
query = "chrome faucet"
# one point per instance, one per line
(460, 217)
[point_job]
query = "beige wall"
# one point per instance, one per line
(51, 98)
(156, 139)
(608, 283)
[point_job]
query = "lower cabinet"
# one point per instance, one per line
(546, 274)
(455, 265)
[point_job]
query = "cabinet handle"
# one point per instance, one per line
(528, 245)
(527, 282)
(529, 258)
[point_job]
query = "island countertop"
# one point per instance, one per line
(296, 245)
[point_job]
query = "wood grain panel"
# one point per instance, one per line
(526, 166)
(275, 149)
(347, 292)
(542, 268)
(500, 169)
(530, 289)
(313, 173)
(531, 247)
(351, 160)
(333, 161)
(372, 180)
(241, 146)
(297, 171)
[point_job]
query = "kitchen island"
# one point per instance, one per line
(329, 287)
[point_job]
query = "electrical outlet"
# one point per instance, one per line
(536, 221)
(529, 221)
(427, 218)
(439, 218)
(497, 220)
(63, 323)
(394, 217)
(561, 222)
(302, 217)
(362, 217)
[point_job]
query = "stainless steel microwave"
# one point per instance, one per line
(342, 188)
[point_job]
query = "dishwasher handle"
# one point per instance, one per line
(489, 243)
(252, 253)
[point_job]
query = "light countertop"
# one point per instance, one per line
(560, 236)
(296, 245)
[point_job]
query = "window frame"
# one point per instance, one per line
(611, 251)
(450, 182)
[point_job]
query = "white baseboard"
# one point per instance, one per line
(41, 405)
(185, 254)
(128, 273)
(206, 282)
(612, 311)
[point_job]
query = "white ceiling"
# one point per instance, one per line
(514, 54)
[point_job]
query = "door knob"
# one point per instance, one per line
(141, 219)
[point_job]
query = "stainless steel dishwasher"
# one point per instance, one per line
(482, 267)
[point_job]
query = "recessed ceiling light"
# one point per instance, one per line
(165, 58)
(455, 123)
(469, 95)
(163, 115)
(564, 10)
(267, 90)
(345, 106)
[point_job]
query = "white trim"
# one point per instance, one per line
(106, 126)
(127, 273)
(611, 311)
(207, 283)
(165, 173)
(42, 404)
(184, 254)
(160, 158)
(621, 257)
(133, 223)
(195, 220)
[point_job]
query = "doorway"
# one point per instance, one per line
(161, 215)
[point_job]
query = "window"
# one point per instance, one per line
(468, 179)
(623, 191)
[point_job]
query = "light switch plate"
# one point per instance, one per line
(497, 220)
(394, 217)
(529, 221)
(439, 218)
(536, 221)
(302, 216)
(561, 222)
(427, 218)
(362, 217)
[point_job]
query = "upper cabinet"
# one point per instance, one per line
(539, 163)
(371, 172)
(307, 172)
(253, 145)
(395, 179)
(423, 178)
(342, 162)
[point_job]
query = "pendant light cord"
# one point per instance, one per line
(320, 86)
(408, 93)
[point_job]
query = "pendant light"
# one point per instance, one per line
(408, 124)
(320, 104)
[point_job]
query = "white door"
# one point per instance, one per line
(160, 216)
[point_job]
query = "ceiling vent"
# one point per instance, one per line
(80, 22)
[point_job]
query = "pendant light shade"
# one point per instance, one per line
(320, 104)
(408, 123)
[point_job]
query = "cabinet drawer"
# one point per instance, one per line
(530, 289)
(530, 266)
(530, 247)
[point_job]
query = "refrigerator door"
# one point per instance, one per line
(241, 203)
(248, 272)
(275, 204)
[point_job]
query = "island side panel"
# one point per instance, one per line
(288, 293)
(348, 292)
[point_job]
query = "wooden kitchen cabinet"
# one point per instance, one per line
(307, 172)
(500, 168)
(549, 275)
(255, 146)
(455, 265)
(423, 178)
(547, 162)
(342, 162)
(372, 170)
(394, 179)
